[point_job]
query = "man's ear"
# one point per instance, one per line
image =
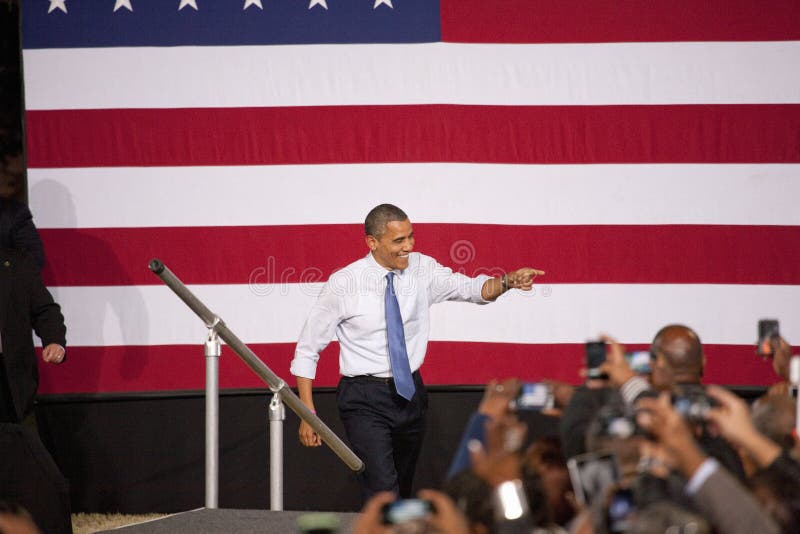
(372, 243)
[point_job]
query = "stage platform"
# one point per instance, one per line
(228, 521)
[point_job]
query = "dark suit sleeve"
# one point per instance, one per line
(46, 317)
(720, 450)
(24, 235)
(788, 466)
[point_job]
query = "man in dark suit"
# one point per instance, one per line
(29, 475)
(25, 304)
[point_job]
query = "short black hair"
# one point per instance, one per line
(380, 216)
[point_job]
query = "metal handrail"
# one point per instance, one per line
(218, 327)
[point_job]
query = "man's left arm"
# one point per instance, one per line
(47, 321)
(519, 279)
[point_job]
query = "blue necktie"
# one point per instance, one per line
(398, 357)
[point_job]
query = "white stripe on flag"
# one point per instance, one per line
(302, 194)
(559, 313)
(481, 74)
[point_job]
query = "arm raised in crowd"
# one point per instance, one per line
(732, 420)
(493, 406)
(715, 493)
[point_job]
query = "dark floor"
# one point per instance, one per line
(206, 521)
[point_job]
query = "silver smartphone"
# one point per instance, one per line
(592, 474)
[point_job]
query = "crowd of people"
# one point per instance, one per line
(653, 451)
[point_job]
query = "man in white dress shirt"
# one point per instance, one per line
(378, 307)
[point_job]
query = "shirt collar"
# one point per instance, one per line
(379, 269)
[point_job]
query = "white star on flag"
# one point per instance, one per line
(190, 3)
(257, 3)
(123, 3)
(322, 3)
(57, 4)
(379, 2)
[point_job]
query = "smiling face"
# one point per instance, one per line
(392, 248)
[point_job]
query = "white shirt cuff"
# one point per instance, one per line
(477, 288)
(706, 469)
(303, 367)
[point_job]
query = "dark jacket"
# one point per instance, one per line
(25, 304)
(17, 230)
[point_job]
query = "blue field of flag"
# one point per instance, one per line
(95, 23)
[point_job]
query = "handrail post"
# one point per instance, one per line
(277, 414)
(794, 379)
(219, 330)
(212, 352)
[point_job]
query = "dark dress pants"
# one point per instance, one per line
(384, 430)
(30, 477)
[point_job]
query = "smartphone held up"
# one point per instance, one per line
(595, 357)
(534, 397)
(406, 510)
(768, 333)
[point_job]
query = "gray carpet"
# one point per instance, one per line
(204, 521)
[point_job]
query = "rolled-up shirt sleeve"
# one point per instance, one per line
(317, 332)
(449, 285)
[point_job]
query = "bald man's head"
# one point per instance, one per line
(679, 356)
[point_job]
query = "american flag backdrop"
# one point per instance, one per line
(646, 154)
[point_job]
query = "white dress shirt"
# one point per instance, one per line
(351, 305)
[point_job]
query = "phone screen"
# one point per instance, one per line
(639, 362)
(595, 356)
(534, 396)
(621, 511)
(768, 330)
(405, 510)
(592, 474)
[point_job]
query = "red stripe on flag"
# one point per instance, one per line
(418, 133)
(578, 21)
(182, 367)
(291, 254)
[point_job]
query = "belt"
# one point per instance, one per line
(379, 379)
